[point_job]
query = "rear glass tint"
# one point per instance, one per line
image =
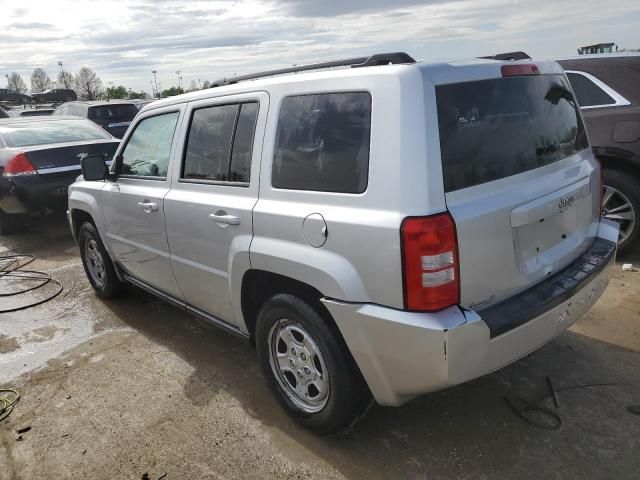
(491, 129)
(322, 143)
(108, 112)
(42, 133)
(589, 94)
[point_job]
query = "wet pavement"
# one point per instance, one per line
(117, 389)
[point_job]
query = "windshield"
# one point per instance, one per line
(107, 112)
(496, 128)
(41, 133)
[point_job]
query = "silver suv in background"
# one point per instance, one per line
(379, 228)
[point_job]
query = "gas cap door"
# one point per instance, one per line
(314, 230)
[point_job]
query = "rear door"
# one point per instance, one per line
(520, 180)
(133, 205)
(209, 208)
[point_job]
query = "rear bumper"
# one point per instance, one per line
(404, 354)
(31, 193)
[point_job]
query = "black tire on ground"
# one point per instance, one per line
(11, 223)
(107, 284)
(629, 186)
(349, 397)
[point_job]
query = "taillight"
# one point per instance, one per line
(430, 262)
(520, 69)
(18, 165)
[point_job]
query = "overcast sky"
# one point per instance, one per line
(125, 40)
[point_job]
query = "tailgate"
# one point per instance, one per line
(520, 182)
(514, 233)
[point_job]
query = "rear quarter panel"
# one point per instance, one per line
(361, 258)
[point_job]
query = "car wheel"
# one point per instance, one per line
(621, 203)
(97, 263)
(10, 223)
(308, 366)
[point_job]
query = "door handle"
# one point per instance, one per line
(222, 218)
(148, 206)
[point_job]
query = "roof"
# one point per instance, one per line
(475, 68)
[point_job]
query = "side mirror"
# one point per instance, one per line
(94, 168)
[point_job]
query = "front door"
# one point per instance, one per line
(209, 208)
(134, 203)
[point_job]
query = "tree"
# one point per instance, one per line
(206, 84)
(65, 80)
(88, 84)
(116, 92)
(141, 95)
(170, 92)
(40, 81)
(16, 83)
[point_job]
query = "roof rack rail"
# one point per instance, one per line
(509, 56)
(373, 60)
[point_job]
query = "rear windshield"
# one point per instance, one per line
(106, 112)
(41, 133)
(492, 129)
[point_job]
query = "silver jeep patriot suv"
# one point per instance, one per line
(379, 228)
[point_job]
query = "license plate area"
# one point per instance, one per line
(535, 239)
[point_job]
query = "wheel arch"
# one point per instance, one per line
(258, 286)
(618, 159)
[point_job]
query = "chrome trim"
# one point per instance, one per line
(58, 169)
(619, 99)
(69, 168)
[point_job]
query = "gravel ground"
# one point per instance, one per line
(134, 387)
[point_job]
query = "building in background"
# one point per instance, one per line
(597, 48)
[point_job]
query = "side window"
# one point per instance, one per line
(149, 147)
(219, 143)
(588, 93)
(240, 168)
(322, 143)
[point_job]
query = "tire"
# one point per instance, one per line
(10, 223)
(346, 398)
(626, 189)
(97, 263)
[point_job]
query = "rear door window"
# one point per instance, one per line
(124, 112)
(589, 94)
(220, 143)
(322, 143)
(491, 129)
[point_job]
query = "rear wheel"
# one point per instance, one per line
(97, 263)
(308, 366)
(621, 203)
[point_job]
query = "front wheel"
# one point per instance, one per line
(308, 366)
(97, 264)
(621, 203)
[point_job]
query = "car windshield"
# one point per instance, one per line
(40, 133)
(107, 112)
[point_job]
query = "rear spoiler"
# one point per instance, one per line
(508, 56)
